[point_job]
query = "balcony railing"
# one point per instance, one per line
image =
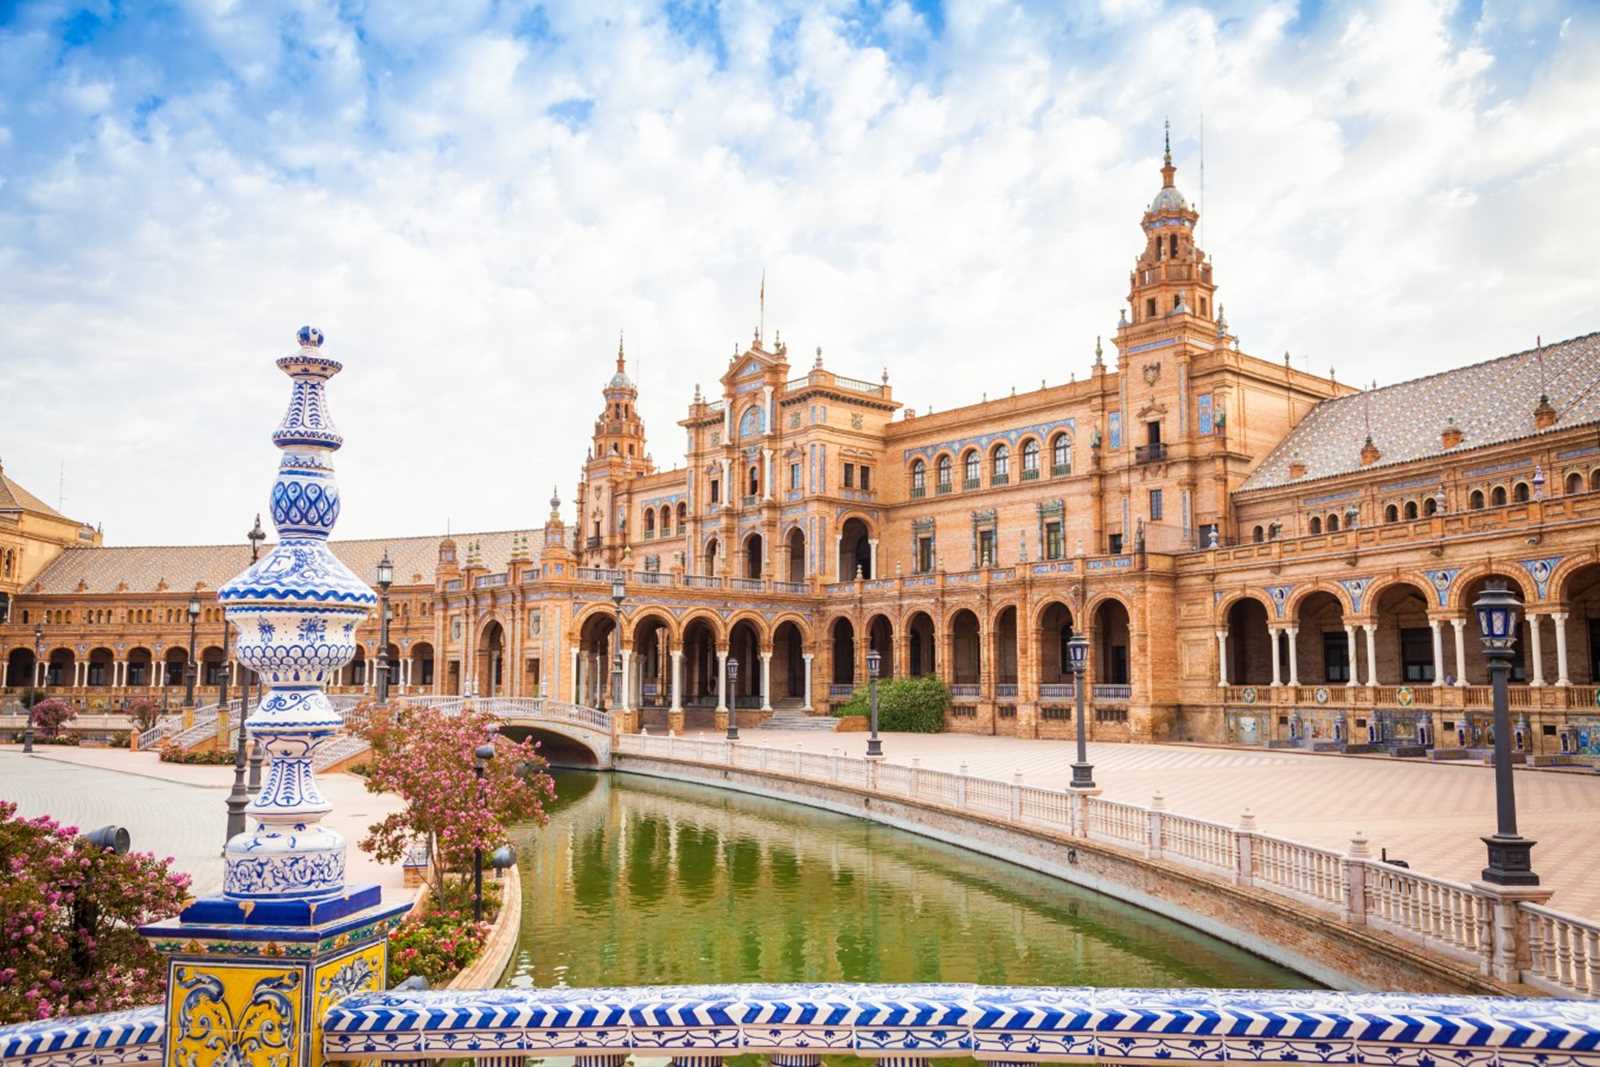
(1153, 453)
(964, 689)
(1057, 691)
(1060, 470)
(918, 492)
(971, 483)
(1000, 479)
(945, 487)
(1030, 474)
(1112, 692)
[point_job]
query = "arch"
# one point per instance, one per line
(880, 639)
(1030, 457)
(1430, 506)
(746, 641)
(140, 663)
(649, 522)
(598, 648)
(666, 520)
(801, 623)
(999, 463)
(562, 744)
(1291, 606)
(1004, 654)
(1228, 600)
(1475, 501)
(919, 478)
(21, 667)
(651, 635)
(421, 665)
(1519, 580)
(1400, 610)
(971, 469)
(1574, 484)
(1258, 534)
(707, 617)
(1594, 480)
(842, 642)
(1519, 493)
(174, 661)
(756, 623)
(1322, 648)
(61, 667)
(752, 421)
(1113, 641)
(702, 637)
(1053, 623)
(1332, 523)
(796, 544)
(966, 647)
(855, 548)
(683, 516)
(1497, 496)
(102, 670)
(1061, 454)
(754, 558)
(709, 557)
(789, 642)
(1466, 589)
(1411, 510)
(1249, 641)
(944, 467)
(921, 645)
(490, 651)
(1579, 593)
(1315, 525)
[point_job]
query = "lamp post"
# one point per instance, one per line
(255, 537)
(38, 658)
(618, 593)
(874, 664)
(480, 764)
(733, 698)
(1510, 854)
(1078, 651)
(194, 621)
(385, 579)
(239, 795)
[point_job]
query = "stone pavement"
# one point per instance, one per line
(1431, 815)
(174, 809)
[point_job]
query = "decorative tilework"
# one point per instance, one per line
(982, 442)
(1541, 570)
(1279, 594)
(1356, 589)
(1442, 580)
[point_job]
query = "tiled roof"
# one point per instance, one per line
(13, 497)
(1489, 402)
(415, 560)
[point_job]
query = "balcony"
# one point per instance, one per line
(1152, 453)
(1060, 470)
(1001, 478)
(918, 492)
(945, 487)
(1112, 692)
(971, 483)
(1030, 474)
(592, 543)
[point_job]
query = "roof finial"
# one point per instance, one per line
(818, 364)
(619, 350)
(1167, 169)
(1099, 353)
(1166, 130)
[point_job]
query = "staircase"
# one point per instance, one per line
(791, 715)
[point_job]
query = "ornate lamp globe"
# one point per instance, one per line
(1078, 652)
(619, 592)
(733, 668)
(874, 662)
(385, 571)
(1498, 613)
(194, 608)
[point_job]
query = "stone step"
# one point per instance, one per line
(790, 720)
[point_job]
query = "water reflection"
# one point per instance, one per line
(640, 882)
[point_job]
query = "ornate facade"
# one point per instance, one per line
(1258, 554)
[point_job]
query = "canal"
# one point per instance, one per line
(639, 881)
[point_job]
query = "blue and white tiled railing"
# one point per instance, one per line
(903, 1025)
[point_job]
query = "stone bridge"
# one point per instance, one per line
(569, 735)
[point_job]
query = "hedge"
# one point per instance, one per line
(905, 705)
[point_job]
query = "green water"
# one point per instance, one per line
(637, 881)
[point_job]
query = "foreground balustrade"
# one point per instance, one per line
(898, 1025)
(1468, 923)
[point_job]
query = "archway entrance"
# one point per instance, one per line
(1111, 665)
(788, 666)
(880, 639)
(421, 666)
(966, 651)
(596, 650)
(699, 665)
(1055, 631)
(744, 644)
(1005, 652)
(855, 550)
(921, 646)
(843, 640)
(20, 667)
(797, 555)
(491, 660)
(752, 556)
(650, 666)
(1249, 644)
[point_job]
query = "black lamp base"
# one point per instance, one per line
(1510, 861)
(874, 748)
(1083, 776)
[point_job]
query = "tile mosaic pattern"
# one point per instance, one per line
(1011, 1023)
(1490, 403)
(113, 1038)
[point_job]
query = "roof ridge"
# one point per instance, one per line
(333, 541)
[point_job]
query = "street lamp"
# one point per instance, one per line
(38, 658)
(618, 593)
(733, 698)
(194, 621)
(239, 795)
(255, 537)
(874, 663)
(1510, 854)
(385, 579)
(480, 764)
(1078, 652)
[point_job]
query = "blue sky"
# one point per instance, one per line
(472, 199)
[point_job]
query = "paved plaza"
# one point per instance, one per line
(1431, 815)
(175, 809)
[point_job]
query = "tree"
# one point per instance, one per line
(426, 757)
(49, 716)
(905, 705)
(143, 711)
(69, 918)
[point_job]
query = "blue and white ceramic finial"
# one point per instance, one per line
(296, 612)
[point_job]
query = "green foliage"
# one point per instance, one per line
(171, 753)
(905, 705)
(30, 697)
(444, 940)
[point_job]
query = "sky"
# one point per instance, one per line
(472, 200)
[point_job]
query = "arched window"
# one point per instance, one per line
(1316, 525)
(1000, 465)
(1391, 514)
(1061, 455)
(1520, 493)
(969, 470)
(1574, 486)
(755, 480)
(1172, 248)
(944, 474)
(1258, 535)
(1594, 481)
(1411, 510)
(919, 478)
(1498, 497)
(666, 520)
(1030, 459)
(1475, 501)
(1333, 523)
(683, 515)
(649, 522)
(1429, 505)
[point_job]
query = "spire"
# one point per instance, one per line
(1167, 169)
(621, 359)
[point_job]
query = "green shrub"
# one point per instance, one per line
(905, 705)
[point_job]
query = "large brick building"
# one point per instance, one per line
(1257, 554)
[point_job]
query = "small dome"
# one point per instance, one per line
(620, 380)
(1169, 199)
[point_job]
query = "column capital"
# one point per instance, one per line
(1222, 635)
(1370, 627)
(1559, 616)
(1458, 623)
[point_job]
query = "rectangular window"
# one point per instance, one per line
(1052, 540)
(1114, 428)
(1114, 544)
(1155, 505)
(1206, 532)
(849, 475)
(866, 478)
(986, 548)
(924, 555)
(1416, 654)
(716, 490)
(1152, 433)
(794, 476)
(1335, 656)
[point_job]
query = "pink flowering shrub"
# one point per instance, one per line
(443, 941)
(49, 716)
(425, 757)
(69, 915)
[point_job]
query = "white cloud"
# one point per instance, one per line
(1386, 192)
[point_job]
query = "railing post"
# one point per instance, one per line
(797, 761)
(1080, 813)
(1016, 796)
(1510, 950)
(1152, 840)
(1244, 847)
(1355, 880)
(961, 787)
(872, 775)
(833, 765)
(916, 766)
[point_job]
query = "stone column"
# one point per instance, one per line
(766, 681)
(872, 544)
(722, 679)
(1460, 626)
(1222, 657)
(1350, 651)
(1560, 618)
(766, 473)
(1537, 652)
(577, 676)
(1371, 629)
(1277, 670)
(1439, 651)
(807, 657)
(677, 680)
(1294, 654)
(625, 698)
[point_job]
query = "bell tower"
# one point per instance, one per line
(619, 431)
(616, 457)
(1171, 281)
